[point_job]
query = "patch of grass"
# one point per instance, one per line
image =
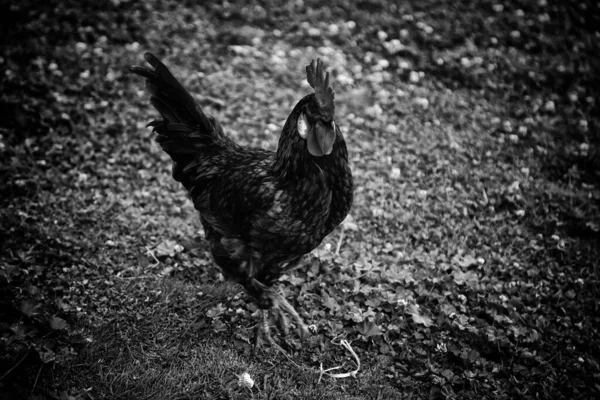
(152, 352)
(159, 349)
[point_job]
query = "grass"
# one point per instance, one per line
(158, 350)
(469, 268)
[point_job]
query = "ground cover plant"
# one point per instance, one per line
(469, 267)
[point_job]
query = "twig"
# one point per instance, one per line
(339, 243)
(366, 272)
(486, 200)
(322, 371)
(36, 378)
(150, 252)
(14, 366)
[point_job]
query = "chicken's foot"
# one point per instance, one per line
(281, 306)
(279, 310)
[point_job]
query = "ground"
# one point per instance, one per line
(467, 270)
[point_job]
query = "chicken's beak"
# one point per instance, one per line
(320, 139)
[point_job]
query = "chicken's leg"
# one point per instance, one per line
(280, 309)
(281, 306)
(271, 302)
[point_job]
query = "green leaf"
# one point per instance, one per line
(167, 248)
(215, 311)
(468, 277)
(46, 355)
(29, 307)
(7, 271)
(330, 302)
(219, 325)
(58, 323)
(466, 261)
(384, 348)
(368, 329)
(417, 317)
(357, 315)
(350, 224)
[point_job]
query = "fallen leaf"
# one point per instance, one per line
(58, 323)
(368, 329)
(417, 317)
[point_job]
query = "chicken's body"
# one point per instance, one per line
(261, 210)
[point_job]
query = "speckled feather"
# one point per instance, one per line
(261, 210)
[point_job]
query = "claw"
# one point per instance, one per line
(263, 330)
(280, 310)
(282, 321)
(284, 306)
(303, 332)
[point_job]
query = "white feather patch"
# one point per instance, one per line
(302, 126)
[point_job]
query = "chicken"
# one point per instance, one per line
(261, 210)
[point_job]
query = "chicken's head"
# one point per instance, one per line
(316, 124)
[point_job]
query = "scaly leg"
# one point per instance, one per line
(281, 304)
(268, 299)
(280, 310)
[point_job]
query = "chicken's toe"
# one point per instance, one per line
(283, 305)
(263, 330)
(282, 320)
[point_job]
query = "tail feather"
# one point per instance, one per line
(185, 129)
(173, 102)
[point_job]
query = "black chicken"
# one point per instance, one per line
(261, 210)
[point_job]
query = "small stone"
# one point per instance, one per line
(383, 63)
(550, 106)
(414, 77)
(334, 29)
(422, 102)
(314, 32)
(246, 380)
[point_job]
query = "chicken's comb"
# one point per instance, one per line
(318, 78)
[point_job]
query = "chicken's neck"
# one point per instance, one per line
(320, 181)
